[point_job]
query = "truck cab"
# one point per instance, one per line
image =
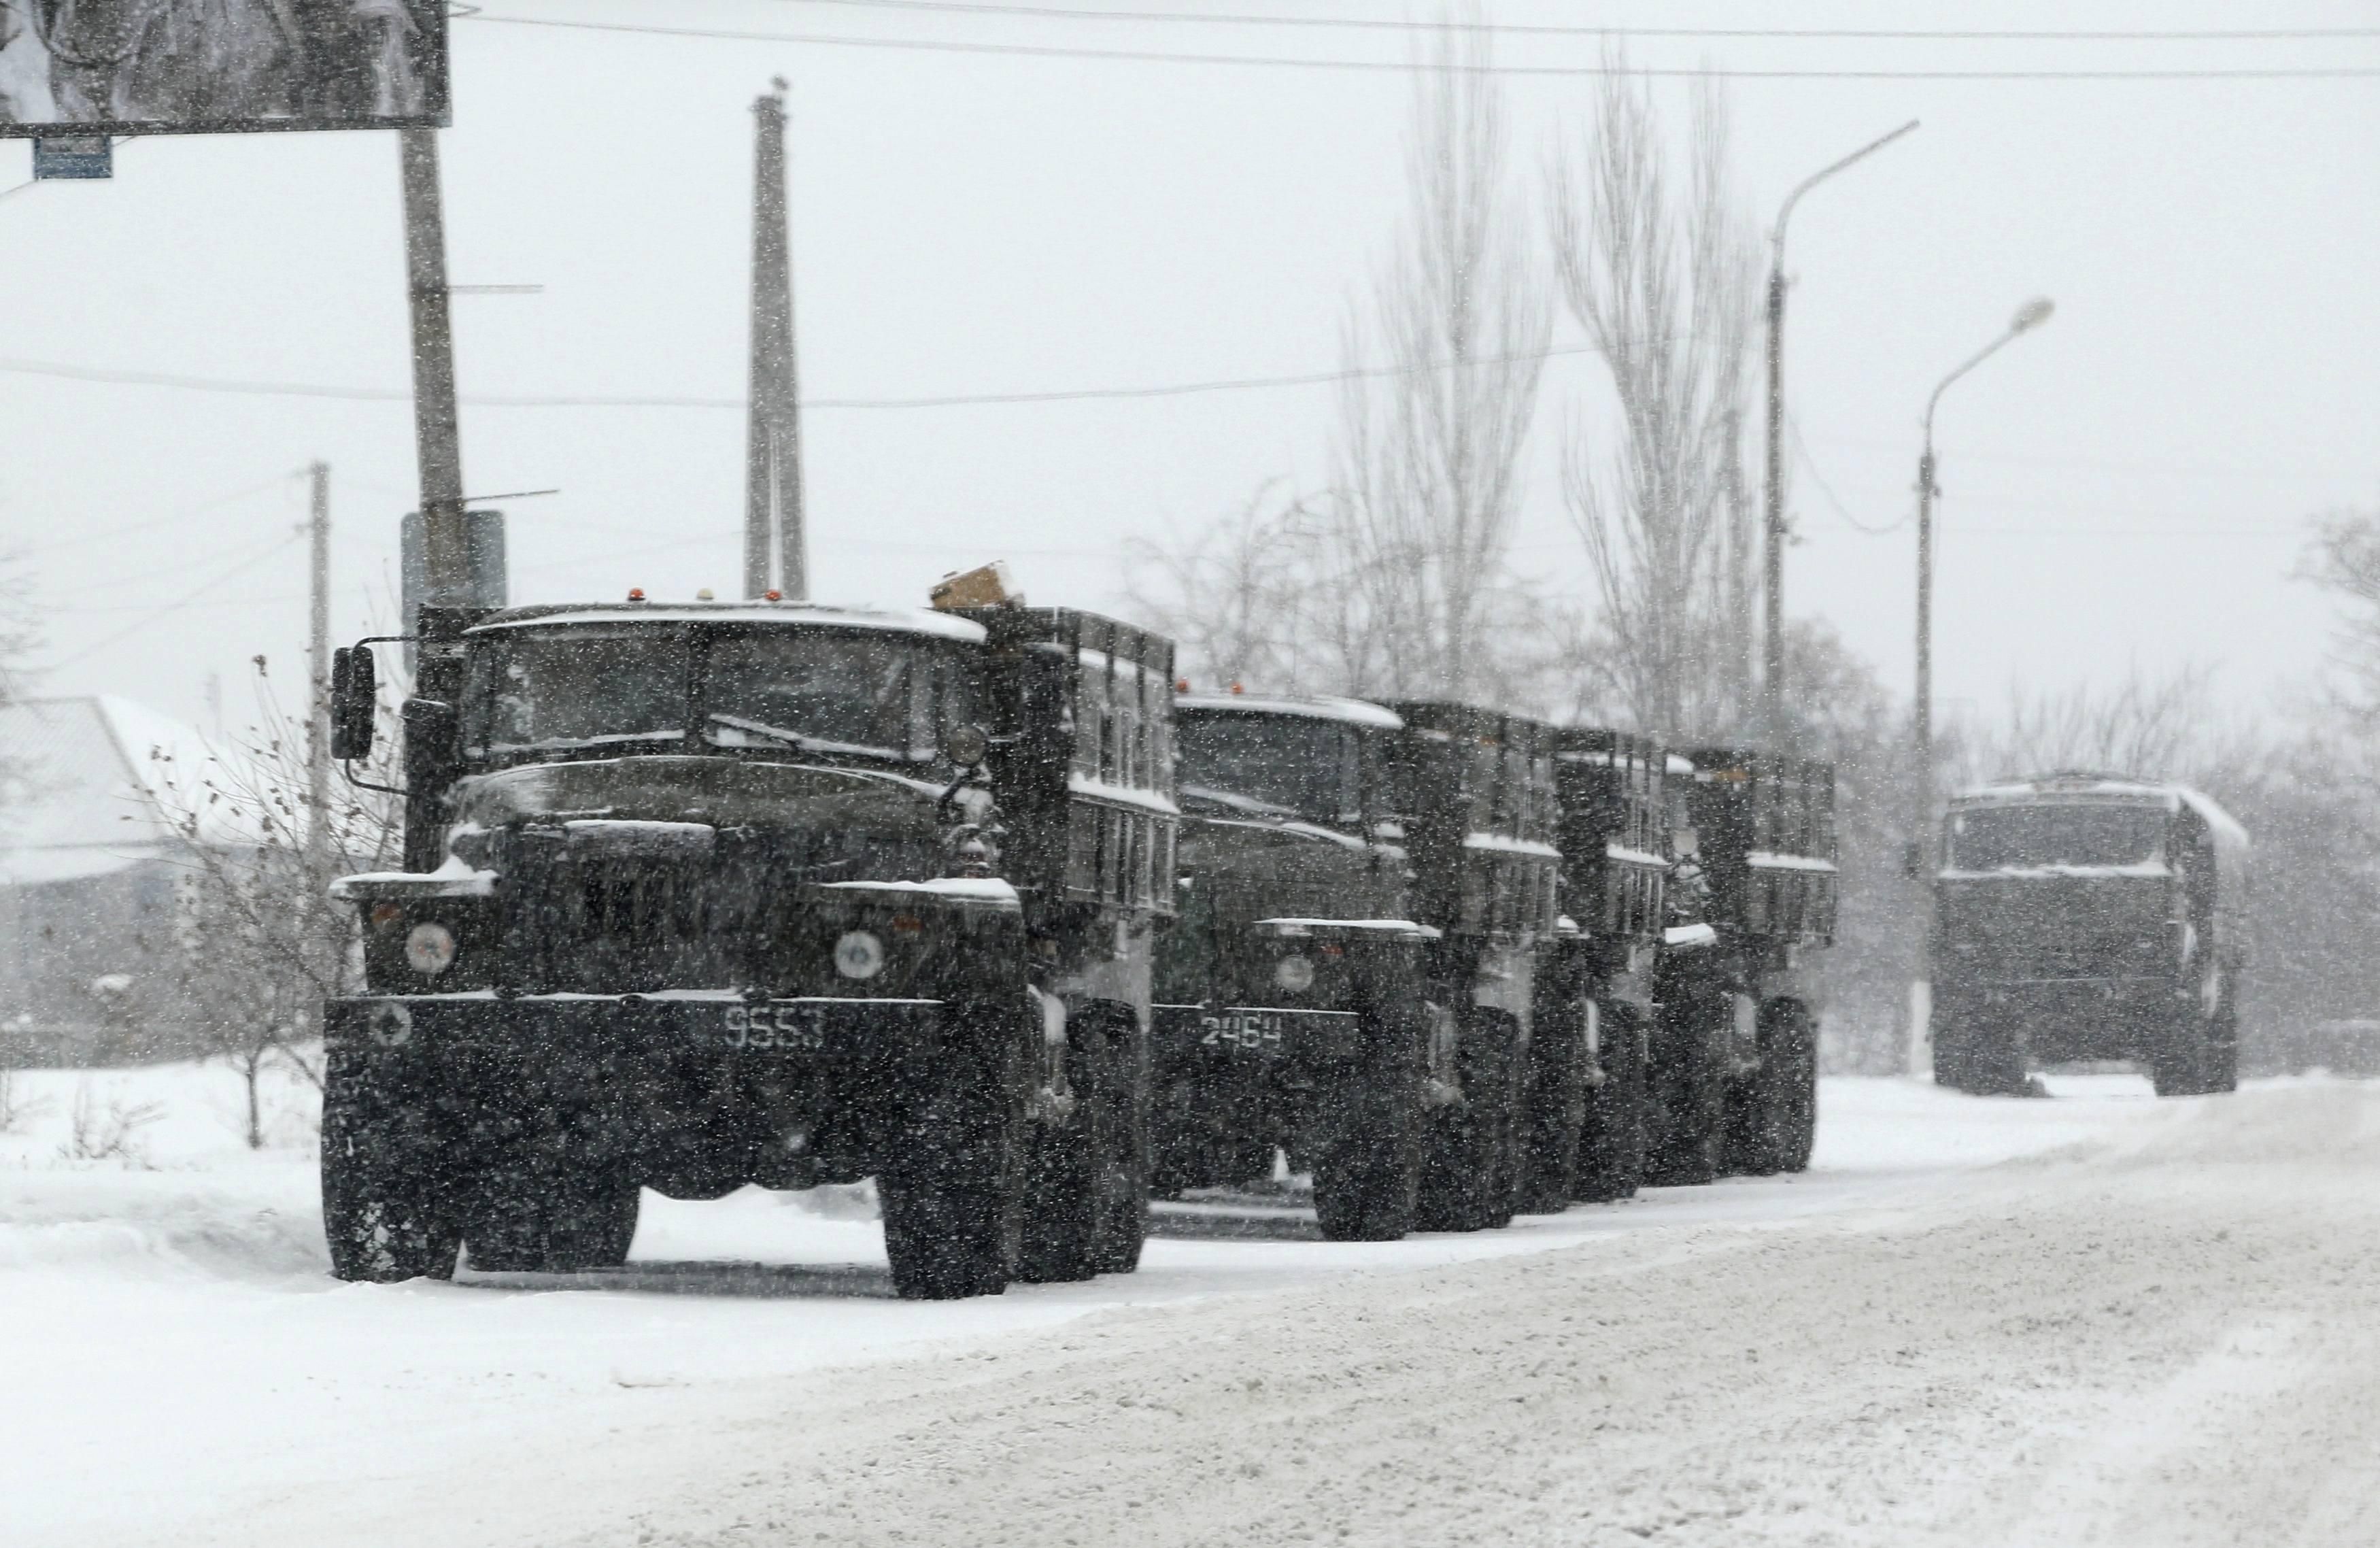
(707, 895)
(1289, 1004)
(2087, 916)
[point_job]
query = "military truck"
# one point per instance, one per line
(1289, 1011)
(2088, 915)
(1732, 1082)
(1585, 1138)
(703, 895)
(1475, 788)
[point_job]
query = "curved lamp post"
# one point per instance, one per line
(1772, 666)
(2030, 315)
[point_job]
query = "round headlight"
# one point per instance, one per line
(966, 746)
(430, 947)
(859, 955)
(1295, 974)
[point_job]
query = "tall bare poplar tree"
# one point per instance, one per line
(1663, 280)
(1428, 454)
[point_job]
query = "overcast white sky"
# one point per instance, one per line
(2128, 485)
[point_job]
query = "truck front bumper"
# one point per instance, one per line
(575, 1029)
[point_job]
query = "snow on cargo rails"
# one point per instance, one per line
(706, 895)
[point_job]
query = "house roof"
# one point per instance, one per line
(94, 785)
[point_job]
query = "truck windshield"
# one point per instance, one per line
(830, 691)
(808, 689)
(575, 686)
(2016, 838)
(1288, 765)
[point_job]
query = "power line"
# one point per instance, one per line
(188, 598)
(1373, 24)
(948, 400)
(1041, 51)
(154, 521)
(1810, 465)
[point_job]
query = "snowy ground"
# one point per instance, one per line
(2101, 1319)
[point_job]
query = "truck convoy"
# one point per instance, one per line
(2088, 915)
(703, 895)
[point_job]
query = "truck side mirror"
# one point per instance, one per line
(355, 701)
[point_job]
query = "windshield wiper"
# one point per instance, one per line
(1249, 804)
(777, 734)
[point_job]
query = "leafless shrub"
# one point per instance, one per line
(108, 1130)
(16, 1107)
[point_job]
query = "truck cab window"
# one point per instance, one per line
(573, 687)
(843, 692)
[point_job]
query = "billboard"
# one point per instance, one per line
(220, 66)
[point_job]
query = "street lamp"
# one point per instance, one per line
(1772, 679)
(2030, 315)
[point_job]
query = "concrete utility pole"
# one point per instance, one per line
(2030, 315)
(437, 433)
(1772, 680)
(318, 662)
(772, 459)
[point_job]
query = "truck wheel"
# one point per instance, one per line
(951, 1186)
(1366, 1130)
(1467, 1161)
(1783, 1092)
(1079, 1166)
(1611, 1138)
(1121, 1228)
(1553, 1108)
(1685, 1094)
(385, 1211)
(2179, 1064)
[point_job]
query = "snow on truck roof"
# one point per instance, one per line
(1352, 711)
(2112, 788)
(897, 620)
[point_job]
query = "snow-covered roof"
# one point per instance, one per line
(903, 620)
(98, 781)
(1352, 711)
(2115, 789)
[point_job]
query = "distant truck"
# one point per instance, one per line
(709, 895)
(1590, 1043)
(1289, 997)
(1731, 1082)
(1476, 790)
(2088, 915)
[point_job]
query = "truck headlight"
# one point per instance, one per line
(1295, 974)
(859, 955)
(430, 947)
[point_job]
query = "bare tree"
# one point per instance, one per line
(2157, 727)
(1234, 597)
(1428, 456)
(1664, 282)
(259, 945)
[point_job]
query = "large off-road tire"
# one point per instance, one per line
(1120, 1229)
(1470, 1147)
(952, 1189)
(1611, 1138)
(1685, 1103)
(1087, 1173)
(1977, 1055)
(2180, 1061)
(2223, 1052)
(1553, 1106)
(1202, 1139)
(1366, 1133)
(387, 1210)
(539, 1215)
(1773, 1112)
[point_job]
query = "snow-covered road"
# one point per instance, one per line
(2101, 1319)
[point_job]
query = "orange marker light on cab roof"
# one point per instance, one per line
(636, 593)
(772, 596)
(1180, 685)
(1235, 687)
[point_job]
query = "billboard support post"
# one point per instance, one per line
(772, 464)
(437, 431)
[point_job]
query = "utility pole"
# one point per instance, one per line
(1772, 664)
(318, 661)
(773, 459)
(437, 433)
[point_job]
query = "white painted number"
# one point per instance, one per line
(794, 1029)
(1246, 1032)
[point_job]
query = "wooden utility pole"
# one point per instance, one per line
(318, 663)
(772, 458)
